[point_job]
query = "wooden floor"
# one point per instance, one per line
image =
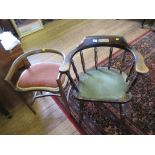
(62, 35)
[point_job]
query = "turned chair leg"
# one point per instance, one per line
(81, 112)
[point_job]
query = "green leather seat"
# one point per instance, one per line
(103, 85)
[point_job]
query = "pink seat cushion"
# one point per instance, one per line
(40, 75)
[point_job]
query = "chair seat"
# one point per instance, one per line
(41, 76)
(103, 85)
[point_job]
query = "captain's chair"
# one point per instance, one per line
(103, 84)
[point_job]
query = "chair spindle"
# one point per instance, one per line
(122, 62)
(72, 81)
(95, 57)
(130, 71)
(110, 56)
(75, 70)
(82, 61)
(131, 82)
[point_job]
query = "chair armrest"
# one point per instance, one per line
(67, 62)
(139, 62)
(64, 67)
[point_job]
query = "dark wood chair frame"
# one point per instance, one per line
(38, 91)
(103, 41)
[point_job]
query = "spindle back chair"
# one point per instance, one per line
(103, 84)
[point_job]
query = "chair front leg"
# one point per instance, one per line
(122, 113)
(62, 93)
(81, 111)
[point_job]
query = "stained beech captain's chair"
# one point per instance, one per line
(40, 77)
(103, 84)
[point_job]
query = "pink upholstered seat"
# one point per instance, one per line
(40, 75)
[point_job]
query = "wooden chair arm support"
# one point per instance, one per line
(139, 62)
(65, 67)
